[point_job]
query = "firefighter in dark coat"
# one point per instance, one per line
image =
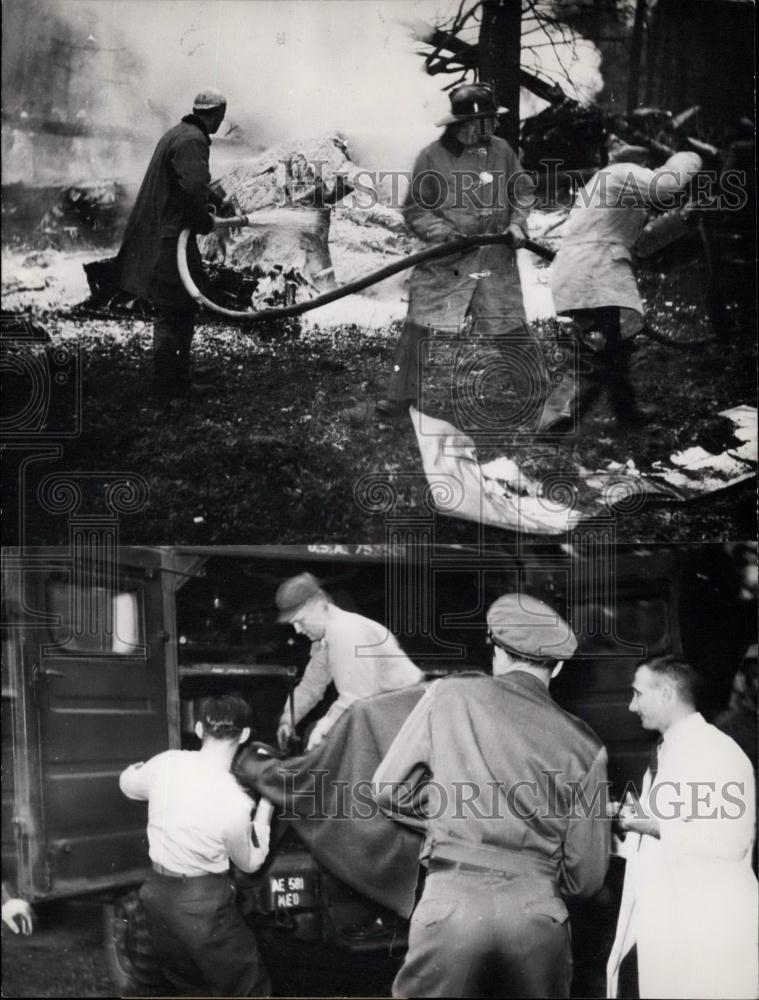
(175, 194)
(469, 182)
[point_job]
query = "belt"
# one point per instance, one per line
(160, 870)
(440, 864)
(510, 863)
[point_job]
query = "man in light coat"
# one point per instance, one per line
(360, 656)
(593, 282)
(468, 182)
(690, 900)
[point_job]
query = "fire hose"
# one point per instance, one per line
(412, 260)
(285, 312)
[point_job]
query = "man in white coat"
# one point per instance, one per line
(359, 656)
(690, 900)
(593, 282)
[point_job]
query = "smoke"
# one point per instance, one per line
(289, 68)
(567, 59)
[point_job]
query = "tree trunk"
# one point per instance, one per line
(468, 56)
(702, 53)
(499, 52)
(636, 53)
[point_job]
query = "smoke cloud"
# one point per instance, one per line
(290, 69)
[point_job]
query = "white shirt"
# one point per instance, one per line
(198, 815)
(360, 657)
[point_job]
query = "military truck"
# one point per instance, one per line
(107, 650)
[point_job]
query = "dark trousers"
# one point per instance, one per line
(173, 329)
(595, 368)
(405, 380)
(175, 314)
(513, 338)
(201, 939)
(486, 934)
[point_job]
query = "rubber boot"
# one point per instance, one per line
(172, 338)
(404, 383)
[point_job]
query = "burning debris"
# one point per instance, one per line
(283, 258)
(254, 287)
(311, 173)
(239, 289)
(90, 212)
(279, 236)
(62, 218)
(291, 189)
(565, 132)
(511, 494)
(303, 228)
(107, 294)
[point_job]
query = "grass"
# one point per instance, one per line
(285, 448)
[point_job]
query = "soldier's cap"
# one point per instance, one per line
(470, 101)
(293, 594)
(208, 99)
(525, 626)
(625, 153)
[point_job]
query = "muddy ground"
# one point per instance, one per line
(284, 445)
(65, 958)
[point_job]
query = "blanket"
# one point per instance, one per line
(326, 796)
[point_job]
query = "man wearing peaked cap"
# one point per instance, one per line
(469, 182)
(524, 626)
(175, 194)
(360, 656)
(518, 822)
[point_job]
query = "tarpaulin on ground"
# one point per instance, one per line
(325, 795)
(460, 487)
(500, 493)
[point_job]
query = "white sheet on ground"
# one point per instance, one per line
(499, 493)
(459, 487)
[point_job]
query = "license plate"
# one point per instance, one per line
(291, 892)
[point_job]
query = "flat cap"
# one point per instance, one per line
(209, 98)
(293, 594)
(525, 626)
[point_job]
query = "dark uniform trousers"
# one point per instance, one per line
(175, 314)
(201, 938)
(593, 370)
(407, 363)
(513, 338)
(485, 933)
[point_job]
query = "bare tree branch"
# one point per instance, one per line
(545, 22)
(462, 57)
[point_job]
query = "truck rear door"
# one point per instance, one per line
(92, 686)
